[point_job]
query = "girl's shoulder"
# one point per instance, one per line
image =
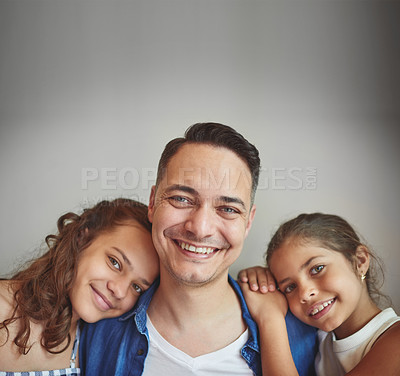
(6, 332)
(390, 328)
(6, 299)
(391, 334)
(10, 357)
(384, 356)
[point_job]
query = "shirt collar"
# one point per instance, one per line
(253, 338)
(143, 303)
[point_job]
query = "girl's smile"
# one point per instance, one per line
(321, 309)
(101, 301)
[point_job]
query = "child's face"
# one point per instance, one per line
(321, 286)
(112, 273)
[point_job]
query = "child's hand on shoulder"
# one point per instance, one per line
(258, 278)
(254, 282)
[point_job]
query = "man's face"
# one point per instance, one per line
(201, 213)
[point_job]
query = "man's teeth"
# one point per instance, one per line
(192, 248)
(321, 307)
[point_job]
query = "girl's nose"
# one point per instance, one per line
(118, 287)
(307, 292)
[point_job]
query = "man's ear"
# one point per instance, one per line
(250, 220)
(362, 259)
(150, 211)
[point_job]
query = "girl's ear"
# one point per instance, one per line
(362, 259)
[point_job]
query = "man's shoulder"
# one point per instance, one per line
(235, 286)
(293, 324)
(103, 328)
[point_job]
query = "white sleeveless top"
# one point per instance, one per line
(165, 359)
(338, 357)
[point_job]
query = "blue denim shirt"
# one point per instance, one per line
(119, 346)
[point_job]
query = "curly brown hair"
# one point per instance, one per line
(41, 290)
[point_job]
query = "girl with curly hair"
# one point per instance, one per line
(96, 267)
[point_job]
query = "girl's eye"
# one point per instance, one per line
(137, 288)
(114, 263)
(317, 269)
(289, 289)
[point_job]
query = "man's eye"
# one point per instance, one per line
(317, 269)
(228, 211)
(179, 201)
(114, 263)
(137, 288)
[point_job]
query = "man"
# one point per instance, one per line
(194, 321)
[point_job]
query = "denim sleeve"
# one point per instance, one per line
(98, 348)
(303, 344)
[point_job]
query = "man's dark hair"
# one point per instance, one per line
(218, 135)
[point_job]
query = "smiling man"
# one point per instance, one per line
(201, 211)
(195, 321)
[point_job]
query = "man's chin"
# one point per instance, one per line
(192, 279)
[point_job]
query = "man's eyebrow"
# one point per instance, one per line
(302, 267)
(183, 188)
(232, 200)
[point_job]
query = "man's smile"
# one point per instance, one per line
(195, 249)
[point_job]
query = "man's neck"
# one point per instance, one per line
(197, 320)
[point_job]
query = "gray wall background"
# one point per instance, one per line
(94, 90)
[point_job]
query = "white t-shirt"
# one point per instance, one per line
(166, 360)
(338, 357)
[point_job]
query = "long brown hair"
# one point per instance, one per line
(41, 290)
(331, 232)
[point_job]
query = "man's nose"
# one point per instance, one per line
(201, 222)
